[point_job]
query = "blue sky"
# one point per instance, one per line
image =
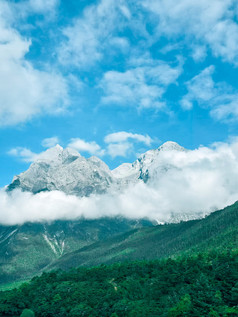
(115, 78)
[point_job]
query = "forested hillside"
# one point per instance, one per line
(201, 285)
(218, 231)
(197, 275)
(27, 249)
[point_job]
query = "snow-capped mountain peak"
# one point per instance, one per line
(51, 155)
(148, 165)
(57, 156)
(171, 146)
(66, 170)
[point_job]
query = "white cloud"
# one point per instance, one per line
(118, 144)
(141, 86)
(25, 8)
(122, 143)
(94, 33)
(198, 181)
(228, 110)
(77, 144)
(50, 142)
(42, 6)
(82, 146)
(201, 88)
(120, 149)
(26, 155)
(210, 23)
(24, 90)
(219, 98)
(123, 136)
(199, 53)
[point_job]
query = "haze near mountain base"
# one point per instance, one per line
(167, 184)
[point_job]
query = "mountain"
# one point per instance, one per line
(149, 165)
(65, 170)
(29, 248)
(90, 242)
(218, 231)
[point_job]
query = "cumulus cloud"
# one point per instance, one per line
(120, 149)
(94, 33)
(206, 23)
(195, 182)
(82, 146)
(218, 97)
(122, 143)
(50, 142)
(117, 144)
(36, 92)
(26, 155)
(123, 136)
(140, 86)
(200, 24)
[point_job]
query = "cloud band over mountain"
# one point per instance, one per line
(191, 182)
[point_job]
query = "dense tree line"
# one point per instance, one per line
(193, 285)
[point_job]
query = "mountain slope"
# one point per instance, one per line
(203, 285)
(217, 231)
(27, 249)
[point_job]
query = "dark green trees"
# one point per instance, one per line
(27, 313)
(191, 285)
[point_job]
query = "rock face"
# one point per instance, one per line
(66, 170)
(149, 165)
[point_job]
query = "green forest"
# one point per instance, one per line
(185, 269)
(193, 285)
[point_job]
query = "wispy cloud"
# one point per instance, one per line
(23, 9)
(24, 154)
(94, 33)
(41, 6)
(36, 92)
(201, 89)
(116, 144)
(206, 23)
(89, 147)
(141, 86)
(218, 97)
(124, 136)
(50, 142)
(122, 143)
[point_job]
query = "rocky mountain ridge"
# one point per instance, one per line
(66, 170)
